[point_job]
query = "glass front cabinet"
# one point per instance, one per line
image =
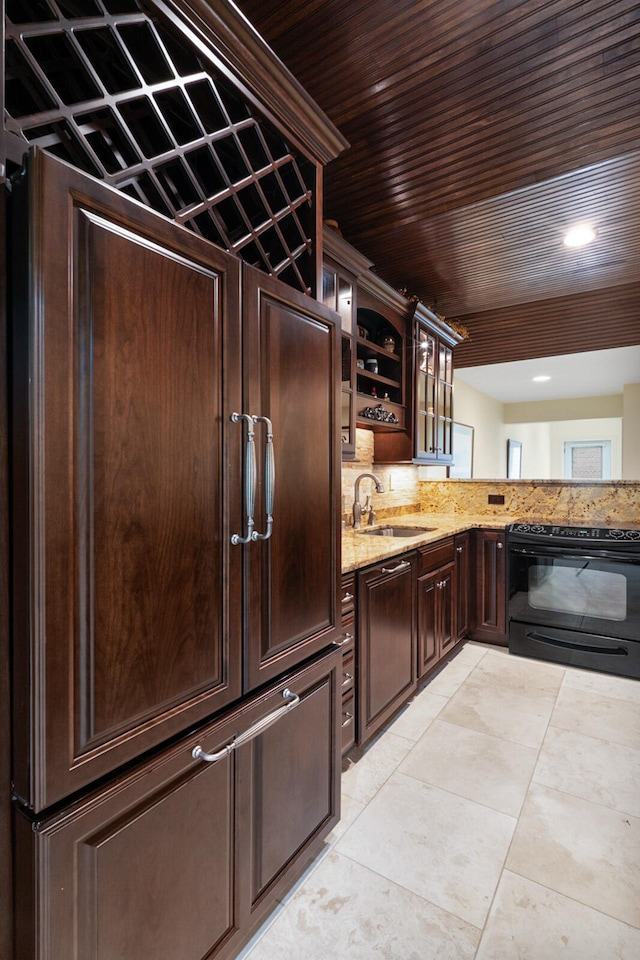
(342, 265)
(433, 392)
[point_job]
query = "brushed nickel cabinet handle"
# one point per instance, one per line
(348, 717)
(269, 479)
(347, 679)
(348, 637)
(499, 545)
(401, 566)
(254, 731)
(347, 597)
(249, 477)
(459, 549)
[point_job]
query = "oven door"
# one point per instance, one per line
(585, 589)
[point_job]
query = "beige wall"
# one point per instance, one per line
(486, 416)
(543, 426)
(631, 432)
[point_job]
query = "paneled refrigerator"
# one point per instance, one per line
(175, 500)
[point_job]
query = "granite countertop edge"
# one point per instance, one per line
(360, 550)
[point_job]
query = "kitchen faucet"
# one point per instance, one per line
(357, 506)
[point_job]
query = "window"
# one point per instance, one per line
(587, 460)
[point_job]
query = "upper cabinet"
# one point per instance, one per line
(427, 431)
(382, 388)
(433, 385)
(342, 266)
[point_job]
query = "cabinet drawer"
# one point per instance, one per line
(348, 633)
(348, 722)
(432, 557)
(213, 845)
(347, 677)
(348, 593)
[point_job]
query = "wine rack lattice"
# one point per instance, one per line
(117, 91)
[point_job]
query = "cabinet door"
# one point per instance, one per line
(146, 869)
(435, 617)
(181, 858)
(123, 366)
(433, 397)
(428, 640)
(462, 585)
(446, 597)
(292, 353)
(291, 798)
(386, 641)
(490, 599)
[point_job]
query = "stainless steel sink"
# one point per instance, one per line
(397, 531)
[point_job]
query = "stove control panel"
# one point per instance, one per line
(574, 533)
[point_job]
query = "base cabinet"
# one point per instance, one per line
(489, 621)
(245, 826)
(463, 585)
(436, 596)
(349, 662)
(386, 641)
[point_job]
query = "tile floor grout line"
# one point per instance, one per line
(517, 819)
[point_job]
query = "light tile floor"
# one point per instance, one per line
(496, 818)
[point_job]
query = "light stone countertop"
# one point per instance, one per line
(361, 550)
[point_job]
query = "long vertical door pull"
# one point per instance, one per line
(249, 477)
(269, 479)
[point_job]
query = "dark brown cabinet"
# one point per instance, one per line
(386, 641)
(428, 435)
(381, 372)
(433, 390)
(174, 415)
(129, 472)
(489, 597)
(463, 583)
(341, 268)
(348, 682)
(436, 607)
(202, 851)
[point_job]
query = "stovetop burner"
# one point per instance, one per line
(576, 533)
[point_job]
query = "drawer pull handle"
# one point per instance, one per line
(347, 597)
(348, 637)
(401, 566)
(254, 731)
(348, 717)
(347, 679)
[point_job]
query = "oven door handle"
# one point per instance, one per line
(619, 651)
(578, 554)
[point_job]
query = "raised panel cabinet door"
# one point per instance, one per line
(292, 778)
(125, 363)
(386, 640)
(145, 870)
(428, 622)
(490, 614)
(446, 586)
(292, 570)
(462, 586)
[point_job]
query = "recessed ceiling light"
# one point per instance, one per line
(579, 236)
(540, 379)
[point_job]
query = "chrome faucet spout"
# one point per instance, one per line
(357, 506)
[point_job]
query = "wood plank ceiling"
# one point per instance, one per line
(480, 130)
